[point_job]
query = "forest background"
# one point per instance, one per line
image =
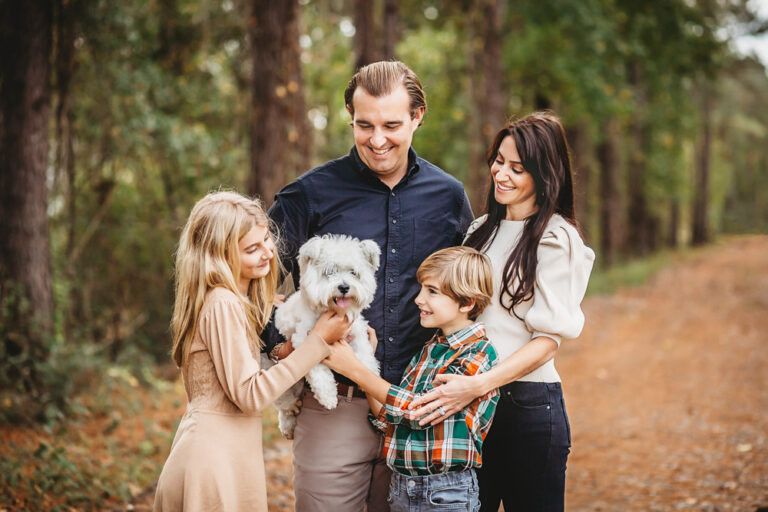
(115, 117)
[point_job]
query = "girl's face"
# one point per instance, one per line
(256, 251)
(513, 186)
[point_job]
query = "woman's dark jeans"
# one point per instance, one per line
(525, 452)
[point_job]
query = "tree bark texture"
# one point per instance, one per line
(610, 198)
(577, 142)
(365, 33)
(640, 226)
(25, 265)
(486, 69)
(279, 131)
(700, 229)
(390, 29)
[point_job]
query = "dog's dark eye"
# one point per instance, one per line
(353, 272)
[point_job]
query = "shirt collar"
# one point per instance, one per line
(413, 163)
(462, 336)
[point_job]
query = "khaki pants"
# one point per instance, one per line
(337, 462)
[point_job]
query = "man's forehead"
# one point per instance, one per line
(396, 102)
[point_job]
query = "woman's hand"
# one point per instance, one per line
(453, 393)
(332, 326)
(342, 359)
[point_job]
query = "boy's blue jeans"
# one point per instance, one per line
(444, 491)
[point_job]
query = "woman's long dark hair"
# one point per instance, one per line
(540, 141)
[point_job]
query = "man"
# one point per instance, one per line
(384, 192)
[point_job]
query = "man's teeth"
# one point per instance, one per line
(380, 151)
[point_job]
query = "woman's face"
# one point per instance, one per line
(513, 186)
(256, 251)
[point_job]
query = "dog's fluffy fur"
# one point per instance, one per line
(337, 273)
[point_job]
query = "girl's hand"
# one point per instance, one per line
(342, 359)
(332, 326)
(278, 300)
(453, 393)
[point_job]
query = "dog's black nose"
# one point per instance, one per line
(343, 288)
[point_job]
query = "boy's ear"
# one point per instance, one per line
(467, 306)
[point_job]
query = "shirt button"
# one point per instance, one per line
(391, 280)
(391, 310)
(393, 194)
(394, 221)
(394, 251)
(391, 338)
(411, 483)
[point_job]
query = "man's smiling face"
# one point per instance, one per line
(383, 130)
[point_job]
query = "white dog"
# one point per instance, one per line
(337, 273)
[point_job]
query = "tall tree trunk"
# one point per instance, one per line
(65, 63)
(700, 230)
(365, 33)
(674, 224)
(390, 29)
(277, 91)
(577, 141)
(25, 265)
(486, 65)
(299, 132)
(640, 227)
(610, 198)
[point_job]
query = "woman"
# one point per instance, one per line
(226, 271)
(541, 267)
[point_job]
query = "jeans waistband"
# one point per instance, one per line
(452, 478)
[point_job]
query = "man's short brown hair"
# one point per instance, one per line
(381, 78)
(464, 275)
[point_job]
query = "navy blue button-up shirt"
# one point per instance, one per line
(426, 211)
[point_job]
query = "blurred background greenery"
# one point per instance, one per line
(117, 116)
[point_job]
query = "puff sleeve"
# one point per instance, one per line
(562, 274)
(223, 331)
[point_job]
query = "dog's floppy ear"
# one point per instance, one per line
(309, 251)
(371, 252)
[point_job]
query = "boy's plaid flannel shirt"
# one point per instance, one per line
(456, 443)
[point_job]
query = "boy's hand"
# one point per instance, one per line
(342, 359)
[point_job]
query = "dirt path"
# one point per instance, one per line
(667, 389)
(667, 392)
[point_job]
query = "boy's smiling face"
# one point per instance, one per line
(440, 311)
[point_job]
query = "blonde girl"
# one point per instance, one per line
(226, 273)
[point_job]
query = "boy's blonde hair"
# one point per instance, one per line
(464, 275)
(209, 256)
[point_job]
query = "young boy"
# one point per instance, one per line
(434, 465)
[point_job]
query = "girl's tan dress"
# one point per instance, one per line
(216, 460)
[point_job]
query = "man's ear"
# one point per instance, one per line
(418, 116)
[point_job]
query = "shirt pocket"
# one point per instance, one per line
(430, 235)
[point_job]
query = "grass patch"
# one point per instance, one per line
(633, 273)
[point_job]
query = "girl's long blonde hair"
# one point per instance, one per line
(209, 256)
